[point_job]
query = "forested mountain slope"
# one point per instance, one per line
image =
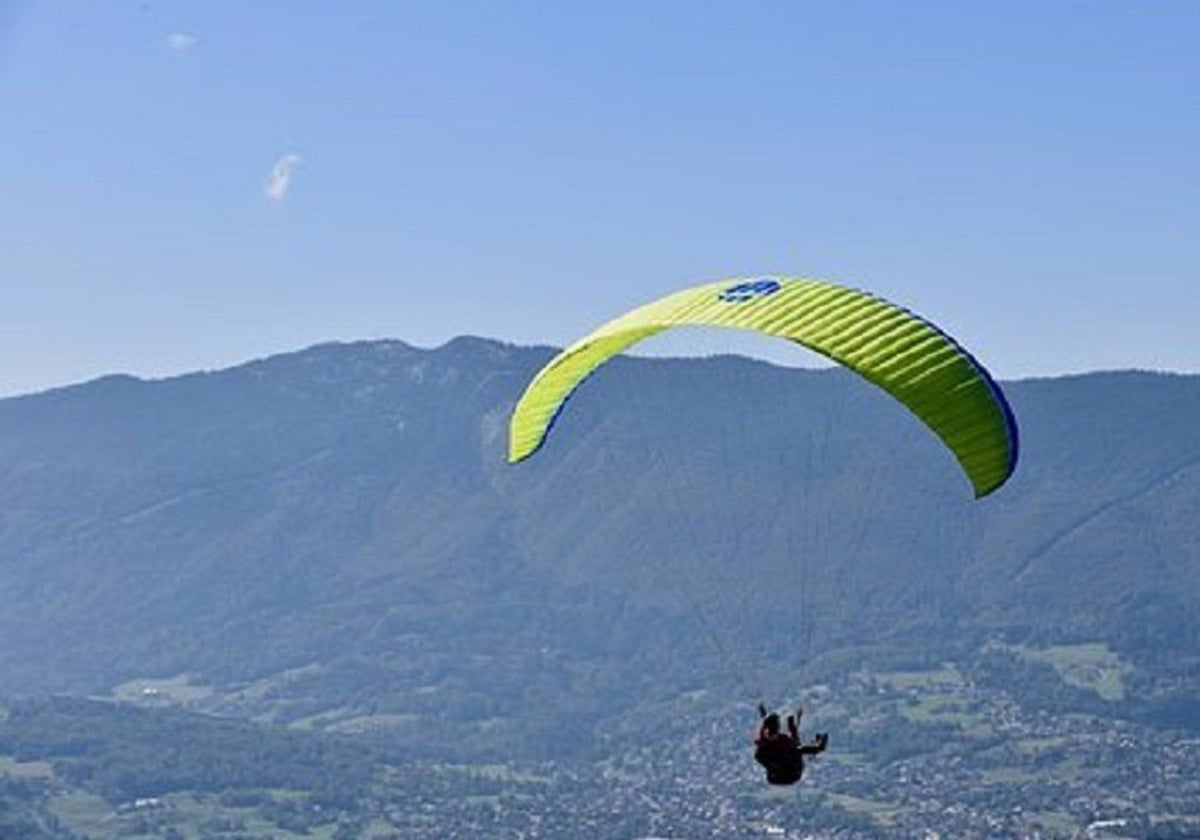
(335, 531)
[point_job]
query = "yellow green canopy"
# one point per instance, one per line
(903, 354)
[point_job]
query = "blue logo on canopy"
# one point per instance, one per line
(749, 290)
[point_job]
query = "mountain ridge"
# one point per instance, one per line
(348, 507)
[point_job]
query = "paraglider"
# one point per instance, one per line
(782, 755)
(905, 355)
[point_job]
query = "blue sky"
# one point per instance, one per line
(1025, 174)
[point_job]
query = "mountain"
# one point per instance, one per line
(332, 538)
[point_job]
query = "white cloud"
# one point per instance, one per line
(181, 42)
(280, 177)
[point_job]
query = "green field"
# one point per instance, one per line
(1090, 666)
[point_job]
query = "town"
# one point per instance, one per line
(917, 754)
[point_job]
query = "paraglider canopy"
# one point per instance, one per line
(902, 353)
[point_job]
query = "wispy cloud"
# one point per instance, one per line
(280, 177)
(181, 42)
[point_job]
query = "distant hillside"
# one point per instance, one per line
(332, 536)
